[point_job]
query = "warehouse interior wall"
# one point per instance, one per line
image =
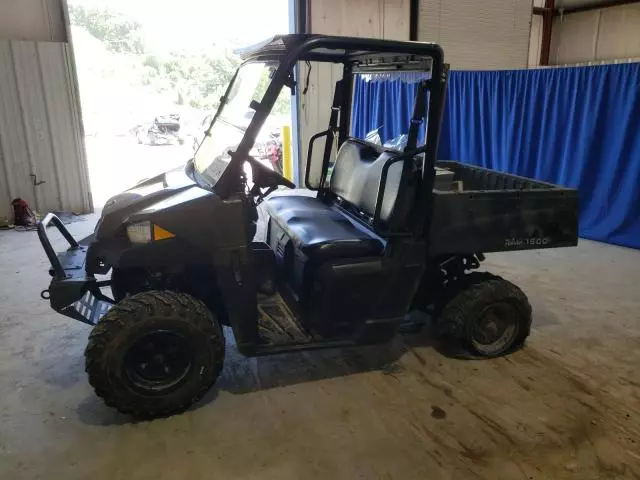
(388, 19)
(42, 155)
(487, 35)
(596, 35)
(35, 20)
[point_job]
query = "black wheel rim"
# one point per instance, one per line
(495, 329)
(158, 361)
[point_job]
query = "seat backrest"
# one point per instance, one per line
(356, 179)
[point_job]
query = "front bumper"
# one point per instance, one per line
(72, 291)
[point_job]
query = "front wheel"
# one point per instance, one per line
(490, 315)
(155, 354)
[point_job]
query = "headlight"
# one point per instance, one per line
(139, 233)
(145, 232)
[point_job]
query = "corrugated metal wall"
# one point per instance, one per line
(37, 20)
(596, 35)
(478, 35)
(42, 155)
(387, 19)
(40, 129)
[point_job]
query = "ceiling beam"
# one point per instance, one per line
(595, 6)
(584, 8)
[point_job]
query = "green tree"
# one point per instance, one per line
(197, 78)
(119, 33)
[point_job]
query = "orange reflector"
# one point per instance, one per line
(160, 233)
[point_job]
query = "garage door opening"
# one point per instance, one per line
(151, 74)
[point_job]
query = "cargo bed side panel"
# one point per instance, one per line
(475, 178)
(503, 220)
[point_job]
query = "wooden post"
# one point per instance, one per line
(547, 26)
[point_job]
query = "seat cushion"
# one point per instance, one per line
(319, 230)
(356, 180)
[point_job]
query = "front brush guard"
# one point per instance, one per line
(72, 291)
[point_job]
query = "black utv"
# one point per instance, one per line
(377, 232)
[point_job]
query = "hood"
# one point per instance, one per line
(171, 180)
(147, 192)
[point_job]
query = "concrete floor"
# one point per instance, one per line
(566, 406)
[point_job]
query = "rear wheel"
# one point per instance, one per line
(490, 315)
(155, 353)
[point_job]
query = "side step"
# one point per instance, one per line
(277, 324)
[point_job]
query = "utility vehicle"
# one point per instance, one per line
(341, 262)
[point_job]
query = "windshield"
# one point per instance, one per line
(233, 118)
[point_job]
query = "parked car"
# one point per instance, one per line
(163, 130)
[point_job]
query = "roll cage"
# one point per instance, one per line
(357, 55)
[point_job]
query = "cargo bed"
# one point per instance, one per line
(489, 211)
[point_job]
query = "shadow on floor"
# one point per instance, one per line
(242, 375)
(93, 411)
(543, 317)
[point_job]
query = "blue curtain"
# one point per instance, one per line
(387, 104)
(578, 127)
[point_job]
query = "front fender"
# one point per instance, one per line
(162, 254)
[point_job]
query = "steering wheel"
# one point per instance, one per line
(265, 178)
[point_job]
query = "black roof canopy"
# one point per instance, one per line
(326, 48)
